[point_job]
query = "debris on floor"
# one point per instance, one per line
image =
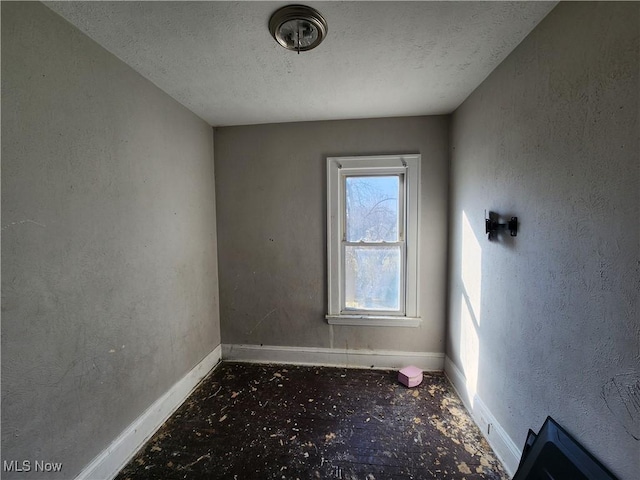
(251, 421)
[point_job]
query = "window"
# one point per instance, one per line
(372, 240)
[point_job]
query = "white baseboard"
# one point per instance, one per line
(108, 463)
(503, 446)
(335, 357)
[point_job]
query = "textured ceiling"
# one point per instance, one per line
(380, 59)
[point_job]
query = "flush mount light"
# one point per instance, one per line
(298, 27)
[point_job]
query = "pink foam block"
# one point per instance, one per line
(410, 376)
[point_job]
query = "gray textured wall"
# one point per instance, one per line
(271, 200)
(109, 275)
(548, 323)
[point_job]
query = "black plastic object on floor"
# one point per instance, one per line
(553, 454)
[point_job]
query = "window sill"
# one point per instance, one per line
(373, 321)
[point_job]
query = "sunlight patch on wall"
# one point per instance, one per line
(471, 276)
(471, 268)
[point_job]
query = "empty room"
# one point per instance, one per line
(351, 240)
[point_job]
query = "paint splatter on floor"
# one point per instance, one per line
(248, 421)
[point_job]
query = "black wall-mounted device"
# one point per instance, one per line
(493, 226)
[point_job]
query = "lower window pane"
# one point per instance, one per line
(372, 278)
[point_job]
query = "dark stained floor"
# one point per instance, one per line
(248, 421)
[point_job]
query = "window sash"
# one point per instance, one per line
(361, 172)
(401, 311)
(402, 207)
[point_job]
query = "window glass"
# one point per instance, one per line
(372, 213)
(372, 277)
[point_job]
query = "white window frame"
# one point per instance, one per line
(338, 168)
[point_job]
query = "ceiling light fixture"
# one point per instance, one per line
(298, 27)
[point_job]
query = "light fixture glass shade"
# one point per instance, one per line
(298, 27)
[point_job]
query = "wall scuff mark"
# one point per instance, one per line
(622, 397)
(22, 222)
(260, 322)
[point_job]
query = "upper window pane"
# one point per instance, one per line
(372, 208)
